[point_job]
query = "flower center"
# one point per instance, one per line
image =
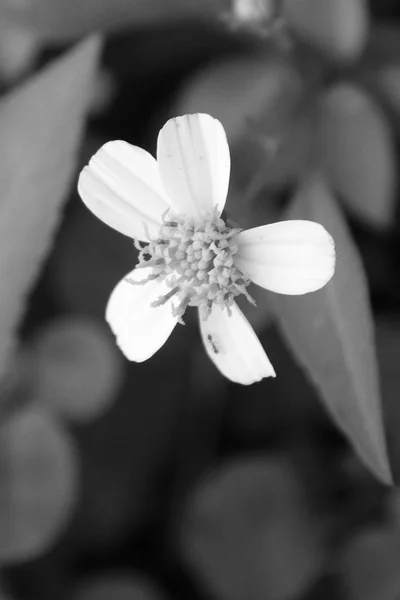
(196, 262)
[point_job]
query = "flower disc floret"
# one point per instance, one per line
(195, 259)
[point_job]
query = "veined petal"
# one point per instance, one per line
(233, 346)
(140, 328)
(194, 162)
(290, 257)
(122, 187)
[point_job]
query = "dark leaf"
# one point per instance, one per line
(331, 333)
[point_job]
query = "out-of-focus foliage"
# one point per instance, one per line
(38, 483)
(247, 532)
(40, 124)
(337, 27)
(78, 369)
(18, 49)
(59, 20)
(357, 146)
(370, 565)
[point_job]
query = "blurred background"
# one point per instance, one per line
(162, 480)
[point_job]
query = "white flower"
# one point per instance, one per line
(188, 255)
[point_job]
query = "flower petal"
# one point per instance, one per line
(290, 257)
(194, 162)
(140, 328)
(233, 346)
(122, 187)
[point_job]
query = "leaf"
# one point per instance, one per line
(338, 27)
(75, 18)
(247, 532)
(40, 128)
(358, 153)
(78, 368)
(331, 333)
(38, 483)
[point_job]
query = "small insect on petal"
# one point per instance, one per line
(233, 346)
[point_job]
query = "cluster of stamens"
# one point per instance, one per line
(196, 263)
